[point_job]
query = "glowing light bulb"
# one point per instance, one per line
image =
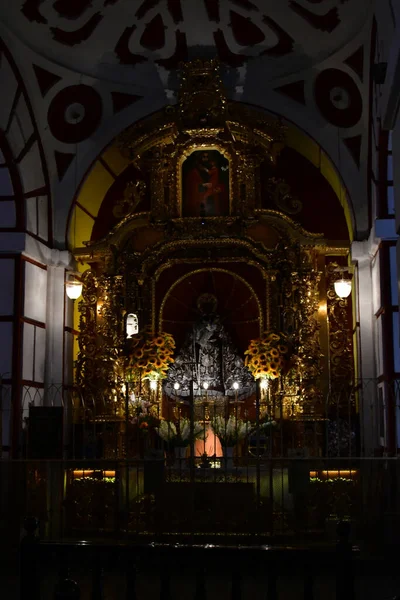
(343, 288)
(176, 386)
(236, 385)
(205, 385)
(153, 385)
(73, 289)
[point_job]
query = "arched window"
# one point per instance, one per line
(11, 205)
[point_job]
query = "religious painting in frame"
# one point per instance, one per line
(205, 184)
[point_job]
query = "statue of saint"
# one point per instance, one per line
(208, 357)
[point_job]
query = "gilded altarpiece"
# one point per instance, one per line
(278, 266)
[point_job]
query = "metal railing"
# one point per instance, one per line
(114, 480)
(164, 571)
(123, 571)
(293, 501)
(352, 421)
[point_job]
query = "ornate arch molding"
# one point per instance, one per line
(23, 151)
(214, 270)
(180, 234)
(159, 144)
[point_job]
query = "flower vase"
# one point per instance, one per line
(229, 458)
(180, 457)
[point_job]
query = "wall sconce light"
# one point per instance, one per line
(343, 287)
(132, 325)
(73, 285)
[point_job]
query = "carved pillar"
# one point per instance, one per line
(247, 166)
(55, 307)
(159, 166)
(309, 352)
(99, 365)
(340, 336)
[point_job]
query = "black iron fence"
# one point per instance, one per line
(360, 418)
(165, 571)
(88, 472)
(275, 501)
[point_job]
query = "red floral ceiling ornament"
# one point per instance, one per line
(245, 32)
(30, 9)
(285, 42)
(180, 54)
(71, 9)
(327, 22)
(72, 38)
(153, 37)
(338, 98)
(124, 55)
(75, 113)
(239, 29)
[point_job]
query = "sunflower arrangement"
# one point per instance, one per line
(151, 354)
(268, 355)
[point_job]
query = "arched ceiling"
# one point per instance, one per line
(92, 67)
(287, 36)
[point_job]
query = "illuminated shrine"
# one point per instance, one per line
(212, 250)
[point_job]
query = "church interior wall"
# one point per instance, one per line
(55, 200)
(17, 121)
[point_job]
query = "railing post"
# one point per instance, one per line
(130, 589)
(344, 574)
(271, 587)
(97, 582)
(200, 593)
(66, 588)
(28, 572)
(236, 584)
(165, 587)
(308, 583)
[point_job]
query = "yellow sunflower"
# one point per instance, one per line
(138, 353)
(273, 337)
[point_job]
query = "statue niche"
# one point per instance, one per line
(208, 356)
